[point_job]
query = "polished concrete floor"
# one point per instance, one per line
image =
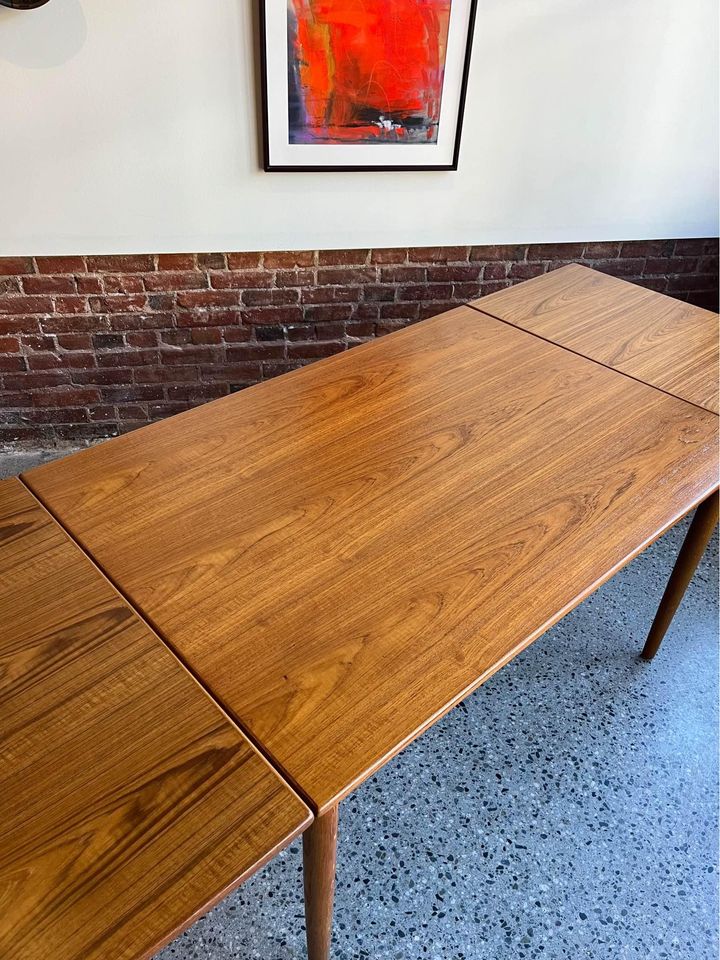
(568, 809)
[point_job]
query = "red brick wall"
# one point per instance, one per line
(95, 345)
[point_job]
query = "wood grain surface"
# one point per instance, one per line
(661, 341)
(128, 801)
(344, 553)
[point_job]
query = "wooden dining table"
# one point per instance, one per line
(330, 561)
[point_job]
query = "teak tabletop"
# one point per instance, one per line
(128, 802)
(344, 554)
(657, 339)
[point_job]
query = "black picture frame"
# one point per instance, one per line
(269, 167)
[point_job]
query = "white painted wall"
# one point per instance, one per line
(132, 126)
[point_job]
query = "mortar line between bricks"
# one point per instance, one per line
(584, 356)
(152, 626)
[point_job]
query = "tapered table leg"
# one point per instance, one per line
(696, 539)
(319, 857)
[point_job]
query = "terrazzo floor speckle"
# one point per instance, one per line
(568, 809)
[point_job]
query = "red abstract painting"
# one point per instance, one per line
(366, 71)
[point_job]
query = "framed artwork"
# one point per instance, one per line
(364, 84)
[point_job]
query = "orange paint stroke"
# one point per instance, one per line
(372, 69)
